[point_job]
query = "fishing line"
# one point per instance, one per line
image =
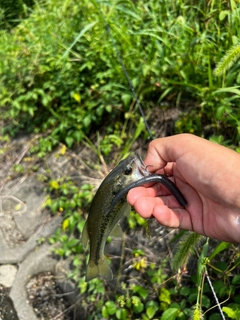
(108, 29)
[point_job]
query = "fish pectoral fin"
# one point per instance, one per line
(127, 210)
(99, 268)
(117, 231)
(85, 236)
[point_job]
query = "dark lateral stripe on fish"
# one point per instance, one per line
(160, 178)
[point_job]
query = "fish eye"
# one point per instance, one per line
(128, 171)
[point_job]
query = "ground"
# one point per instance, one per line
(32, 286)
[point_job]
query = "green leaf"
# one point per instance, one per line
(223, 14)
(221, 288)
(222, 246)
(236, 279)
(217, 139)
(192, 297)
(141, 291)
(109, 108)
(230, 312)
(184, 291)
(205, 301)
(104, 312)
(77, 135)
(229, 89)
(170, 314)
(215, 316)
(73, 242)
(87, 120)
(69, 141)
(128, 12)
(126, 98)
(81, 33)
(182, 315)
(121, 314)
(165, 296)
(140, 128)
(152, 308)
(137, 305)
(221, 110)
(111, 307)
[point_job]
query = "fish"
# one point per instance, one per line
(109, 205)
(98, 225)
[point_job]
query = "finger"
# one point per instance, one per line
(170, 217)
(164, 150)
(173, 218)
(139, 192)
(152, 191)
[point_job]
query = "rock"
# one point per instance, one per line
(7, 275)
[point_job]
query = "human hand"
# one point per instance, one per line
(207, 174)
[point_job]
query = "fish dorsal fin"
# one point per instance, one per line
(85, 236)
(117, 231)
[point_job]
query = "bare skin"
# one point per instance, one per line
(207, 174)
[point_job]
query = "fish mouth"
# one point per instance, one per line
(141, 168)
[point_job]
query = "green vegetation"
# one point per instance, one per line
(61, 79)
(60, 73)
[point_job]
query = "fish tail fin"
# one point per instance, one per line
(101, 268)
(104, 269)
(92, 271)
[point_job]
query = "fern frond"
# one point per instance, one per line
(185, 248)
(231, 56)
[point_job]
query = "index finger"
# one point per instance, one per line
(164, 150)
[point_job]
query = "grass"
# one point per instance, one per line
(60, 71)
(61, 79)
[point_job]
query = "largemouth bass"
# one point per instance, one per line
(99, 225)
(109, 205)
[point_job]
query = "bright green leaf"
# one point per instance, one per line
(111, 307)
(152, 308)
(121, 314)
(223, 14)
(222, 246)
(105, 312)
(230, 312)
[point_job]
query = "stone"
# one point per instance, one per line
(7, 275)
